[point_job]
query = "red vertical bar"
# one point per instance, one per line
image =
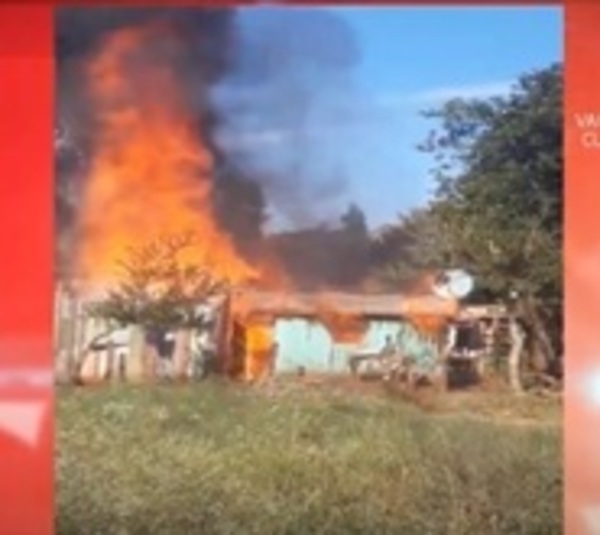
(582, 268)
(26, 234)
(26, 241)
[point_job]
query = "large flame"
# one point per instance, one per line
(151, 175)
(259, 349)
(342, 326)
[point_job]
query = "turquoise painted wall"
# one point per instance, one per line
(307, 343)
(302, 343)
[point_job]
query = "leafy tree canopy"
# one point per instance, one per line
(497, 211)
(158, 288)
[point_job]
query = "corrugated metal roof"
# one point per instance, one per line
(311, 304)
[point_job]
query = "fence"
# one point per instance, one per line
(74, 331)
(87, 348)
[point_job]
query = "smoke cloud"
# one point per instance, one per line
(285, 104)
(205, 38)
(271, 90)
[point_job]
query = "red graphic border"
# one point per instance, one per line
(26, 232)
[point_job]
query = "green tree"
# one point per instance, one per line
(159, 289)
(499, 201)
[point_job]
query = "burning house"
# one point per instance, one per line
(152, 171)
(251, 334)
(321, 332)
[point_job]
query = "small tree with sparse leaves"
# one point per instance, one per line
(158, 288)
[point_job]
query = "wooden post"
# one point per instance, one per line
(514, 359)
(480, 365)
(110, 362)
(121, 362)
(440, 378)
(222, 336)
(151, 362)
(181, 353)
(69, 321)
(63, 336)
(79, 350)
(135, 369)
(445, 349)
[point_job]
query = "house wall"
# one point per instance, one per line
(75, 329)
(307, 343)
(406, 338)
(303, 343)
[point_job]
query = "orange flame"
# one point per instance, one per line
(343, 327)
(150, 176)
(428, 325)
(259, 347)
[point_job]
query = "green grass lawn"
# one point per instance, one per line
(224, 459)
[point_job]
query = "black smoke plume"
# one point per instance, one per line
(203, 56)
(271, 90)
(284, 104)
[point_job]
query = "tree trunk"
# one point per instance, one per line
(135, 369)
(543, 350)
(481, 366)
(153, 363)
(181, 353)
(445, 347)
(440, 377)
(514, 358)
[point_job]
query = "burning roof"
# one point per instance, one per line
(365, 305)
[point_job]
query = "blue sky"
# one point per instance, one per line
(411, 59)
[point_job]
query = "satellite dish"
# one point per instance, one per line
(454, 284)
